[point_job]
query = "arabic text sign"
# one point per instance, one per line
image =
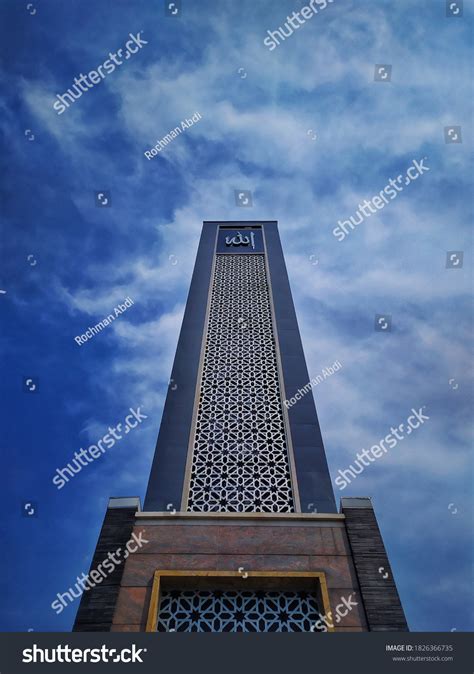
(245, 240)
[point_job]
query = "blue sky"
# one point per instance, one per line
(253, 135)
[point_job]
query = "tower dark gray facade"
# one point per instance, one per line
(239, 357)
(242, 529)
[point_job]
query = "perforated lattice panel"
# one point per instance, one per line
(240, 457)
(237, 611)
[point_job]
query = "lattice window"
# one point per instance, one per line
(240, 457)
(237, 611)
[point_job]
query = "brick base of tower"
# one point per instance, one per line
(339, 555)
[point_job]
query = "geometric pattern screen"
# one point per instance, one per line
(237, 611)
(240, 455)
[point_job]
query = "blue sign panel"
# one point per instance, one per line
(245, 240)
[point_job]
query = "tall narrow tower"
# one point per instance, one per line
(241, 526)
